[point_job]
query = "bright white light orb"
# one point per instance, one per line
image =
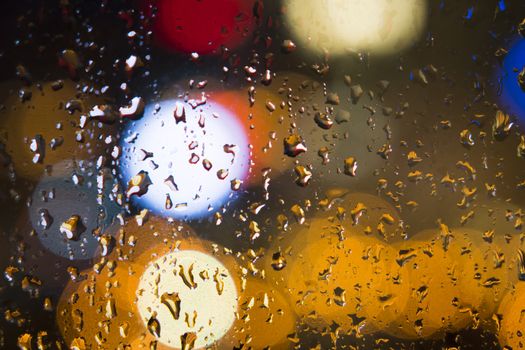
(205, 289)
(377, 26)
(191, 155)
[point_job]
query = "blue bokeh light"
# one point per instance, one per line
(512, 96)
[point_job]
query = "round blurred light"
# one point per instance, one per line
(332, 276)
(43, 127)
(441, 273)
(335, 264)
(202, 26)
(510, 333)
(379, 26)
(512, 95)
(265, 318)
(187, 292)
(71, 195)
(266, 128)
(193, 157)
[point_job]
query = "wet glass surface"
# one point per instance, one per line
(252, 174)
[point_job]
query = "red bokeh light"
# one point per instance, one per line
(202, 26)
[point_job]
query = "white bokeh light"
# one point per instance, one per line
(211, 303)
(378, 26)
(193, 161)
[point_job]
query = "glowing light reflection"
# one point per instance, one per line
(193, 161)
(512, 96)
(195, 293)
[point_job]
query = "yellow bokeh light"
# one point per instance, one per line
(187, 292)
(378, 26)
